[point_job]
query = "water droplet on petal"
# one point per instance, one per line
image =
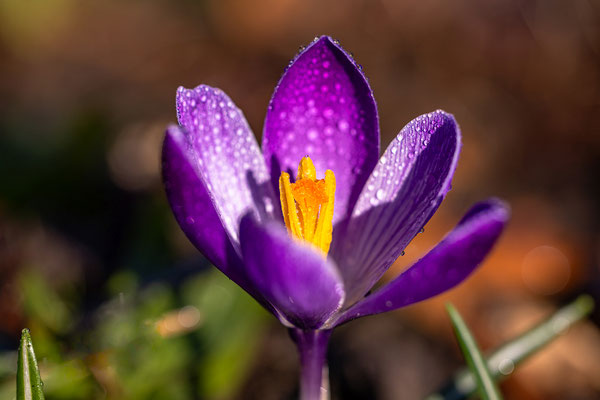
(268, 205)
(343, 125)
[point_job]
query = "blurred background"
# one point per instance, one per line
(121, 306)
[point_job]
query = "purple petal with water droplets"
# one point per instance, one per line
(323, 107)
(295, 278)
(404, 190)
(194, 210)
(448, 264)
(228, 157)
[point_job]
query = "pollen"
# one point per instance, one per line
(307, 205)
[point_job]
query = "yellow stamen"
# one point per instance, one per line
(307, 204)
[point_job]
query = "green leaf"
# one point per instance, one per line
(29, 383)
(477, 364)
(507, 357)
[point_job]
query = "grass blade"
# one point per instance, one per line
(29, 383)
(507, 357)
(477, 364)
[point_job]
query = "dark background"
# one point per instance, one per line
(122, 307)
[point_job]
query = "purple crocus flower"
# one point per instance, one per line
(349, 212)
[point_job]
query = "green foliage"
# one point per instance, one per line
(230, 340)
(128, 350)
(485, 382)
(503, 361)
(29, 383)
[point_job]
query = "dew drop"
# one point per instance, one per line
(506, 366)
(343, 125)
(380, 194)
(268, 205)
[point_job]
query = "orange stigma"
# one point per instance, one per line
(307, 204)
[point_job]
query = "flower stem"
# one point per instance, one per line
(312, 347)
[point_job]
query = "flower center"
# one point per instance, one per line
(307, 204)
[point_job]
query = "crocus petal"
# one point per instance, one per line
(193, 207)
(227, 155)
(294, 277)
(402, 193)
(448, 264)
(323, 107)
